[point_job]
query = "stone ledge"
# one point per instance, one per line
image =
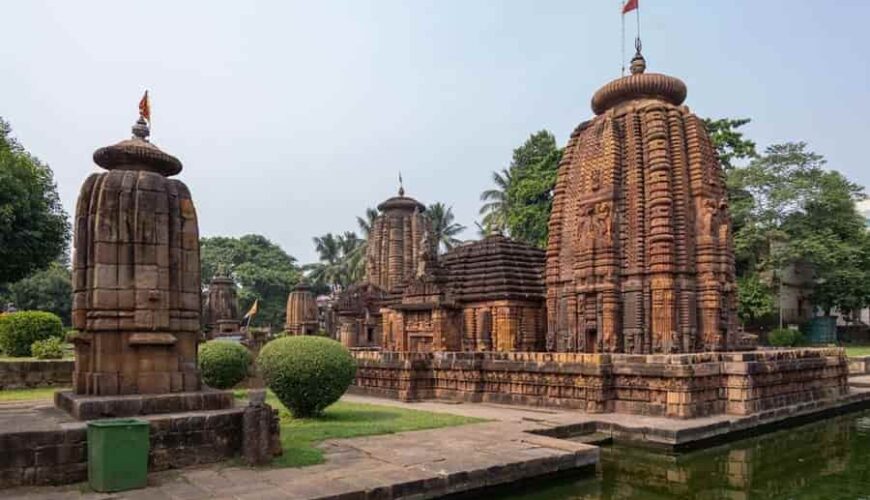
(83, 407)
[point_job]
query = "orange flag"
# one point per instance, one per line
(629, 6)
(145, 107)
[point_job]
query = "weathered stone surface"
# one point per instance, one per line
(640, 256)
(136, 275)
(221, 305)
(302, 316)
(677, 386)
(35, 373)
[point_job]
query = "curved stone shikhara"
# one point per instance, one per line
(302, 318)
(398, 243)
(136, 275)
(640, 256)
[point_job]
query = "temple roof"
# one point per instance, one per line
(639, 85)
(137, 153)
(401, 202)
(495, 268)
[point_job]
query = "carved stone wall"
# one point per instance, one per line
(678, 385)
(302, 314)
(136, 275)
(640, 256)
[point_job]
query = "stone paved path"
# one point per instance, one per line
(436, 461)
(418, 464)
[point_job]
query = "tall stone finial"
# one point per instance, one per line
(401, 185)
(638, 63)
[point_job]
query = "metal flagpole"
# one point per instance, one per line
(622, 6)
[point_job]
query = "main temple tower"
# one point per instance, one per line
(640, 256)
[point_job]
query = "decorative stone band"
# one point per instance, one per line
(646, 85)
(677, 386)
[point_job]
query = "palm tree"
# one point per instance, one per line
(496, 207)
(443, 227)
(367, 223)
(341, 260)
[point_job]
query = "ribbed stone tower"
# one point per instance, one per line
(222, 305)
(136, 274)
(640, 256)
(398, 243)
(301, 311)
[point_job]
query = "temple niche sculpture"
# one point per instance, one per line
(136, 274)
(222, 306)
(640, 256)
(302, 314)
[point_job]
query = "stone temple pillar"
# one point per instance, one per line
(136, 275)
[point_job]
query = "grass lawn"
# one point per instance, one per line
(28, 394)
(299, 437)
(858, 350)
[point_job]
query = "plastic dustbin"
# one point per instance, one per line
(118, 454)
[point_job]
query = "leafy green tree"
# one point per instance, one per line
(522, 198)
(261, 268)
(802, 213)
(729, 142)
(46, 290)
(756, 299)
(444, 229)
(34, 230)
(367, 222)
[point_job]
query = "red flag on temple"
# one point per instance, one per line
(145, 107)
(629, 6)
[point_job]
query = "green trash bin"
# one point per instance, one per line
(118, 454)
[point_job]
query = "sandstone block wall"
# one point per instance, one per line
(61, 456)
(38, 373)
(679, 386)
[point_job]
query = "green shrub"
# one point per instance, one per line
(223, 363)
(19, 330)
(306, 373)
(50, 348)
(785, 337)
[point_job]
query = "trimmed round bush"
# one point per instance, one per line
(784, 337)
(306, 373)
(223, 364)
(19, 330)
(50, 348)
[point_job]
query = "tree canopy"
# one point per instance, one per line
(49, 289)
(261, 268)
(522, 198)
(34, 230)
(341, 261)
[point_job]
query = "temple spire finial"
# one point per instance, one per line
(638, 63)
(401, 185)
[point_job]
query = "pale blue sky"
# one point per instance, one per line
(292, 117)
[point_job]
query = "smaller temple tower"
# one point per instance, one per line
(302, 317)
(397, 243)
(222, 306)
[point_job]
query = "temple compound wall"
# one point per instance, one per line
(675, 385)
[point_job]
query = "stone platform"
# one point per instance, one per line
(41, 444)
(684, 386)
(83, 407)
